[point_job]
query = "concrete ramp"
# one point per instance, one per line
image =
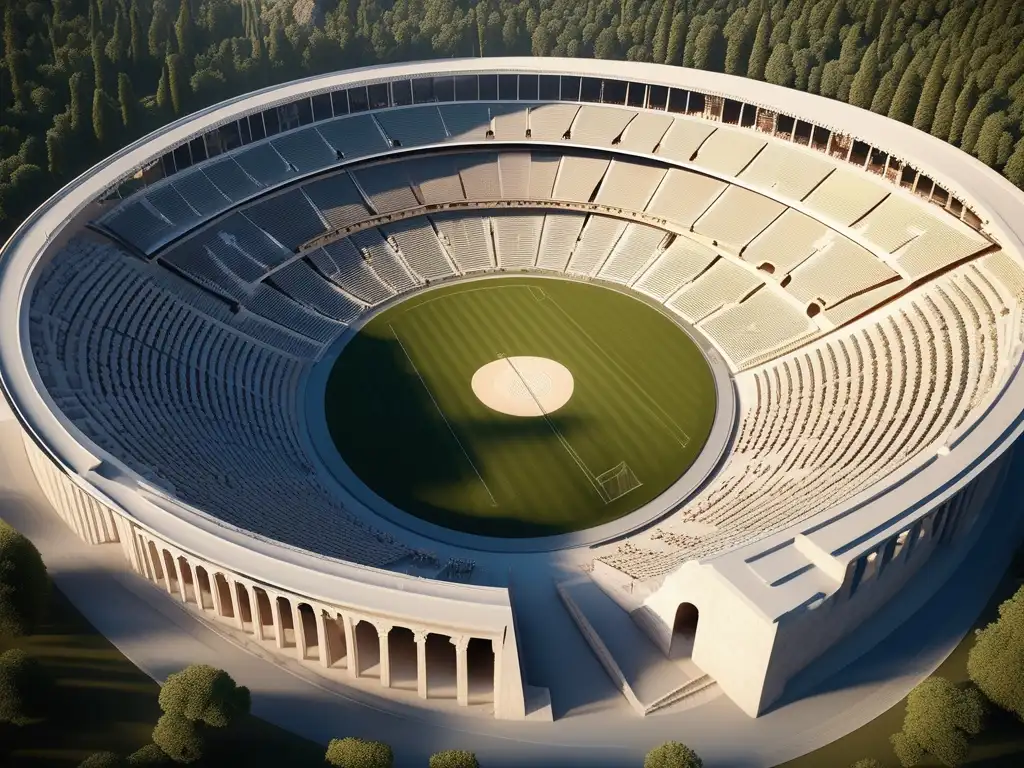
(647, 679)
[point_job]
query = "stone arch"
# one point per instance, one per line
(284, 609)
(167, 562)
(402, 648)
(441, 667)
(204, 591)
(227, 607)
(480, 670)
(245, 612)
(337, 647)
(188, 587)
(684, 630)
(367, 639)
(154, 561)
(264, 614)
(306, 634)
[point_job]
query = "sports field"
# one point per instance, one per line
(403, 413)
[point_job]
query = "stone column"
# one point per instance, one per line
(254, 609)
(496, 646)
(461, 643)
(421, 662)
(275, 611)
(300, 632)
(324, 643)
(351, 646)
(383, 630)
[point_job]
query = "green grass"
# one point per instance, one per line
(643, 395)
(103, 702)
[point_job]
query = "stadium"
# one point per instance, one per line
(363, 366)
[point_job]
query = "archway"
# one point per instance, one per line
(684, 630)
(308, 637)
(188, 588)
(264, 614)
(480, 669)
(288, 634)
(203, 589)
(154, 561)
(173, 585)
(402, 646)
(368, 640)
(227, 608)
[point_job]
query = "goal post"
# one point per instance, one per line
(617, 482)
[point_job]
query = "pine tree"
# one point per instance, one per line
(176, 82)
(127, 102)
(662, 33)
(98, 59)
(946, 107)
(117, 47)
(986, 148)
(100, 117)
(738, 38)
(779, 69)
(759, 52)
(964, 105)
(79, 89)
(924, 115)
(690, 46)
(135, 49)
(851, 54)
(185, 31)
(708, 53)
(972, 129)
(865, 82)
(13, 56)
(56, 152)
(885, 93)
(831, 79)
(1014, 170)
(157, 35)
(905, 99)
(163, 91)
(676, 40)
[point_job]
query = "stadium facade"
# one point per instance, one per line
(861, 281)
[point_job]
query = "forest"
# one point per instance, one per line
(81, 78)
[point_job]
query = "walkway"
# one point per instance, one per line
(595, 725)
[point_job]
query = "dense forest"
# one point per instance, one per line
(81, 78)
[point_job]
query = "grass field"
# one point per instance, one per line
(402, 413)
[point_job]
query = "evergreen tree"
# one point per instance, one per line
(831, 79)
(905, 99)
(965, 102)
(185, 32)
(708, 48)
(1014, 169)
(865, 82)
(117, 46)
(79, 89)
(851, 53)
(163, 91)
(986, 148)
(56, 152)
(176, 82)
(972, 129)
(940, 718)
(156, 39)
(13, 55)
(737, 51)
(127, 102)
(101, 123)
(690, 46)
(662, 33)
(802, 63)
(779, 69)
(676, 39)
(759, 53)
(885, 93)
(135, 49)
(98, 59)
(924, 115)
(946, 108)
(1005, 149)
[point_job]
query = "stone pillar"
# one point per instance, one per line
(351, 646)
(461, 643)
(254, 609)
(300, 632)
(421, 662)
(496, 646)
(383, 630)
(324, 643)
(275, 612)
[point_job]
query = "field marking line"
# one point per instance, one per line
(675, 430)
(561, 438)
(447, 423)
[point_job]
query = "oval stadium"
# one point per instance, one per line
(441, 378)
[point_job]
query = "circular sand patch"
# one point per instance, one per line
(523, 386)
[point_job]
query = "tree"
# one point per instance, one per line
(99, 57)
(865, 82)
(104, 760)
(940, 718)
(135, 44)
(77, 109)
(157, 36)
(737, 50)
(176, 82)
(986, 149)
(163, 91)
(102, 117)
(867, 762)
(1014, 171)
(964, 105)
(56, 152)
(672, 754)
(972, 129)
(996, 662)
(24, 584)
(780, 66)
(946, 108)
(150, 756)
(127, 102)
(453, 758)
(662, 32)
(185, 32)
(906, 96)
(13, 54)
(44, 100)
(24, 688)
(884, 95)
(356, 753)
(708, 48)
(759, 53)
(924, 115)
(205, 694)
(181, 739)
(676, 39)
(117, 47)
